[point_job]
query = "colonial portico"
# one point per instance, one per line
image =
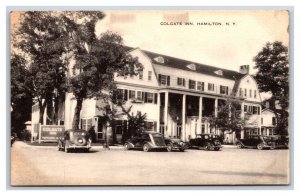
(180, 113)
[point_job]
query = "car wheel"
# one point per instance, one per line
(126, 146)
(216, 149)
(169, 147)
(146, 148)
(273, 146)
(286, 145)
(206, 146)
(239, 145)
(181, 149)
(259, 146)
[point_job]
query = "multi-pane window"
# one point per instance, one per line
(200, 86)
(164, 79)
(192, 84)
(149, 97)
(86, 124)
(180, 81)
(131, 94)
(211, 87)
(245, 91)
(224, 90)
(149, 75)
(141, 74)
(139, 95)
(250, 93)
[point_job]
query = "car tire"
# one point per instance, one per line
(259, 146)
(169, 147)
(216, 149)
(146, 148)
(239, 145)
(126, 146)
(207, 146)
(273, 146)
(181, 149)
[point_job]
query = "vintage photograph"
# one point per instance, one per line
(149, 97)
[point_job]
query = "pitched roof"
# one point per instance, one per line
(199, 68)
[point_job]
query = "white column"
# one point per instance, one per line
(158, 113)
(166, 112)
(260, 120)
(183, 117)
(200, 116)
(242, 117)
(268, 132)
(216, 107)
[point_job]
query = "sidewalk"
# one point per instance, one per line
(54, 145)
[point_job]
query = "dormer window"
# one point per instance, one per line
(191, 66)
(160, 59)
(219, 72)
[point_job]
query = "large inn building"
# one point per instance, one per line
(177, 95)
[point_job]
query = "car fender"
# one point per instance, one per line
(149, 144)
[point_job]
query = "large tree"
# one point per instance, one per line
(98, 64)
(42, 38)
(272, 64)
(21, 98)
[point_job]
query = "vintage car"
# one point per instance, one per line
(206, 142)
(175, 144)
(147, 141)
(254, 141)
(279, 141)
(74, 139)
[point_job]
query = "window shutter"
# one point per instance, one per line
(125, 95)
(154, 126)
(202, 86)
(155, 98)
(143, 96)
(168, 81)
(159, 78)
(183, 81)
(226, 90)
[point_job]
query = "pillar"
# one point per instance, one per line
(216, 107)
(260, 120)
(166, 112)
(183, 117)
(200, 116)
(158, 112)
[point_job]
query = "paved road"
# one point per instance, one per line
(32, 165)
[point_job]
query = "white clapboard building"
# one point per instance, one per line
(177, 95)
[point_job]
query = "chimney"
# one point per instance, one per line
(244, 69)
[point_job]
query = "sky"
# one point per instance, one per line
(224, 46)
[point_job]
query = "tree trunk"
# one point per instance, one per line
(56, 108)
(42, 107)
(49, 111)
(76, 118)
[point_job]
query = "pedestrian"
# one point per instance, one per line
(92, 133)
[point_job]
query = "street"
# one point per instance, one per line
(35, 165)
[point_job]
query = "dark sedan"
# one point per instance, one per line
(147, 141)
(206, 142)
(74, 139)
(175, 144)
(254, 141)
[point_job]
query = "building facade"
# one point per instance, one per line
(268, 122)
(177, 95)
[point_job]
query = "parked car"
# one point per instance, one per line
(74, 139)
(175, 144)
(279, 141)
(206, 142)
(147, 141)
(254, 141)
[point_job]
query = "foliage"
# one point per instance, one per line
(42, 37)
(97, 67)
(229, 117)
(136, 123)
(272, 63)
(21, 98)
